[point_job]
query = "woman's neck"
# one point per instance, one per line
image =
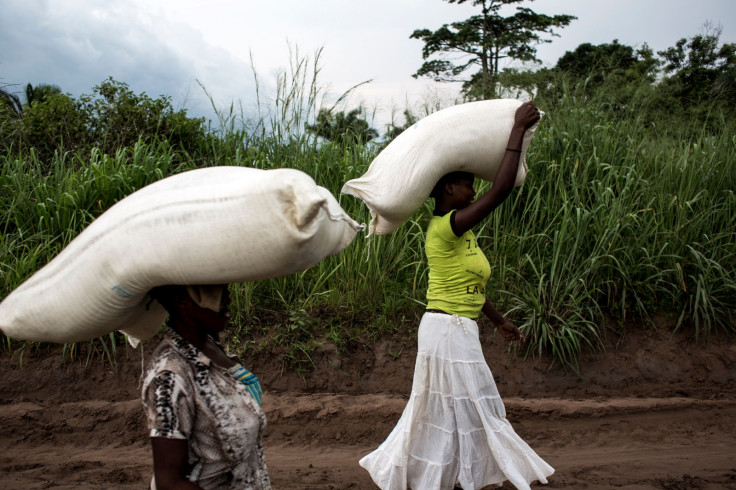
(190, 332)
(204, 341)
(441, 209)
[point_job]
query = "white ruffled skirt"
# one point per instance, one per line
(453, 431)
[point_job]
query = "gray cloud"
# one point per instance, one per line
(166, 46)
(77, 48)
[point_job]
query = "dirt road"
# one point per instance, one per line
(315, 441)
(65, 426)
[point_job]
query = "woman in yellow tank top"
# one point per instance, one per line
(453, 432)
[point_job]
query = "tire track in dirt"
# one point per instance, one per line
(314, 441)
(655, 410)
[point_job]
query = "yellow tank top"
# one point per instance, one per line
(458, 270)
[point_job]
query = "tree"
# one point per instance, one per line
(612, 73)
(40, 93)
(393, 130)
(596, 64)
(699, 69)
(482, 41)
(50, 121)
(342, 128)
(113, 118)
(10, 103)
(53, 122)
(119, 118)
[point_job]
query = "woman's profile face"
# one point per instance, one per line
(463, 192)
(215, 321)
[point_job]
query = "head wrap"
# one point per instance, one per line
(209, 297)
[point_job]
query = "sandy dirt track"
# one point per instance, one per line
(652, 412)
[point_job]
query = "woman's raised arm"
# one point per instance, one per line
(526, 116)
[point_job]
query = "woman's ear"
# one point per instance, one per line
(449, 188)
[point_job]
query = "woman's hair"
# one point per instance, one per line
(451, 178)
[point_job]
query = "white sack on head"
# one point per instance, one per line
(207, 226)
(470, 137)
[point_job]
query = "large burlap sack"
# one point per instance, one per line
(207, 226)
(470, 137)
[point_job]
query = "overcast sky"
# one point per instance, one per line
(169, 47)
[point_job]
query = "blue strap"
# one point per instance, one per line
(249, 380)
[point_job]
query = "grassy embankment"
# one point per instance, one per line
(617, 218)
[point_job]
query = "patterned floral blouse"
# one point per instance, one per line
(187, 396)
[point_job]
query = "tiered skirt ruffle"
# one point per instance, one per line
(453, 431)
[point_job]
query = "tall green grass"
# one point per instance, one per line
(616, 219)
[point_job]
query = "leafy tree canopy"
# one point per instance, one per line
(40, 93)
(691, 84)
(341, 127)
(393, 129)
(699, 68)
(10, 103)
(598, 63)
(119, 117)
(111, 118)
(477, 45)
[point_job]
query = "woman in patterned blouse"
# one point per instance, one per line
(203, 408)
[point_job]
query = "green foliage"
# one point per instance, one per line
(10, 104)
(342, 128)
(119, 118)
(477, 45)
(104, 348)
(642, 201)
(628, 211)
(699, 69)
(605, 62)
(40, 93)
(393, 129)
(297, 336)
(113, 117)
(53, 123)
(688, 88)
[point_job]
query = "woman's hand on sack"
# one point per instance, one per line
(526, 115)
